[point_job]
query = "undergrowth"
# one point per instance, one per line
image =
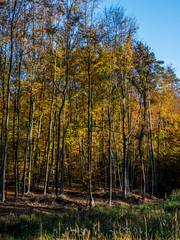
(143, 221)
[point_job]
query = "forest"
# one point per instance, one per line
(84, 107)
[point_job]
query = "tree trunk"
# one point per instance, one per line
(142, 164)
(14, 138)
(70, 148)
(37, 148)
(30, 150)
(8, 101)
(158, 150)
(49, 143)
(115, 154)
(2, 127)
(129, 145)
(18, 128)
(152, 152)
(133, 165)
(42, 166)
(124, 150)
(53, 151)
(103, 147)
(91, 201)
(63, 156)
(110, 160)
(70, 161)
(27, 143)
(63, 104)
(58, 153)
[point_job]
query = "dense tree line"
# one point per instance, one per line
(82, 101)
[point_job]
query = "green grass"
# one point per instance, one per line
(143, 221)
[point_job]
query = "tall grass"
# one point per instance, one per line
(143, 221)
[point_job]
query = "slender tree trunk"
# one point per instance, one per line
(149, 158)
(30, 149)
(63, 156)
(124, 150)
(115, 154)
(91, 201)
(49, 144)
(152, 152)
(37, 148)
(118, 172)
(70, 161)
(103, 147)
(58, 154)
(2, 127)
(42, 165)
(81, 159)
(129, 145)
(8, 101)
(116, 161)
(18, 128)
(53, 152)
(158, 150)
(92, 128)
(133, 165)
(3, 114)
(14, 129)
(70, 148)
(59, 130)
(110, 159)
(27, 144)
(149, 147)
(142, 164)
(62, 106)
(144, 124)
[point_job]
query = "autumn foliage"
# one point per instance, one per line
(83, 102)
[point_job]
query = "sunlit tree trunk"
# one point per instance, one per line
(18, 128)
(110, 159)
(37, 146)
(30, 149)
(53, 151)
(27, 142)
(91, 201)
(49, 135)
(158, 148)
(63, 157)
(103, 146)
(152, 152)
(124, 149)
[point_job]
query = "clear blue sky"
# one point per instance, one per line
(159, 26)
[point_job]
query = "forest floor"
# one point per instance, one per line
(68, 217)
(37, 202)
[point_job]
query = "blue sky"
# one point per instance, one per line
(159, 26)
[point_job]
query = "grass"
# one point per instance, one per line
(143, 221)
